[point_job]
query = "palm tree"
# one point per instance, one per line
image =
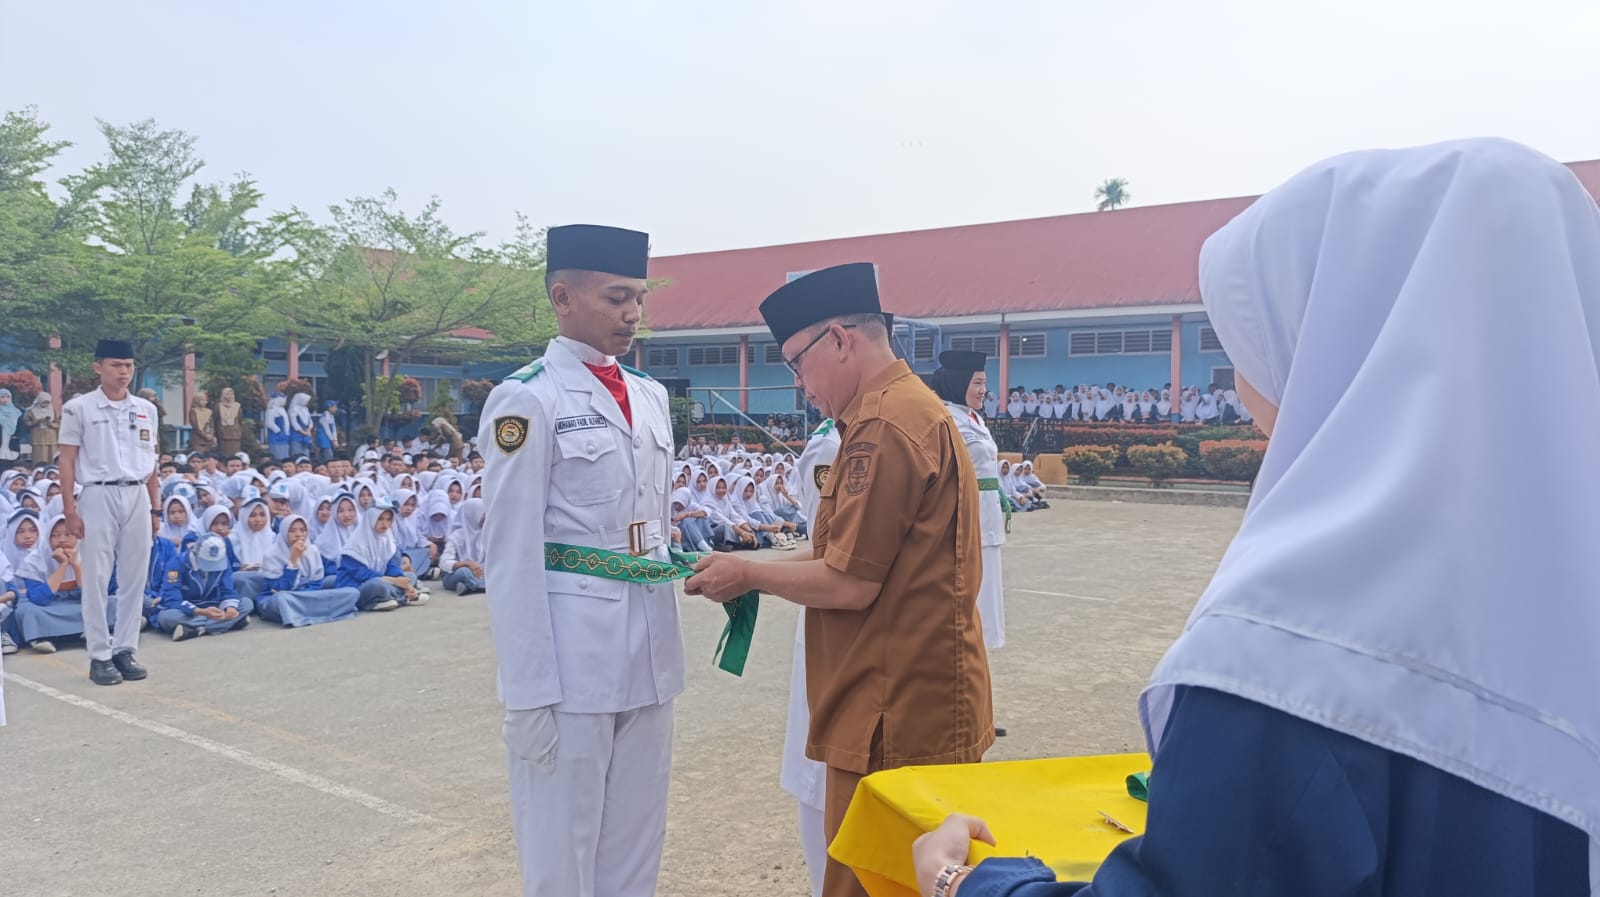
(1112, 194)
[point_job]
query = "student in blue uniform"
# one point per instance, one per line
(205, 602)
(294, 595)
(162, 581)
(51, 602)
(370, 562)
(1388, 688)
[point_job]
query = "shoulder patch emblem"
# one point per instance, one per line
(510, 432)
(528, 371)
(823, 428)
(819, 476)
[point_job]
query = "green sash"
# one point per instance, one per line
(992, 484)
(733, 648)
(1139, 786)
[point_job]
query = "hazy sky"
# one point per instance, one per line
(722, 124)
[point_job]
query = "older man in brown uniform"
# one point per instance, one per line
(896, 669)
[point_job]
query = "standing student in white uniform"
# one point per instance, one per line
(961, 381)
(108, 447)
(579, 453)
(800, 775)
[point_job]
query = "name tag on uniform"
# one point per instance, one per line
(581, 422)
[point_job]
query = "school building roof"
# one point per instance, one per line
(1137, 258)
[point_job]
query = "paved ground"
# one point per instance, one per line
(363, 758)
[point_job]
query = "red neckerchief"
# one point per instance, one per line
(611, 378)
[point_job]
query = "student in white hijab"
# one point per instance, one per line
(1189, 408)
(177, 519)
(340, 528)
(414, 546)
(1164, 407)
(277, 425)
(1388, 687)
(1206, 409)
(252, 539)
(293, 594)
(462, 561)
(1014, 406)
(370, 563)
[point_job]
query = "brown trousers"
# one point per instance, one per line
(837, 879)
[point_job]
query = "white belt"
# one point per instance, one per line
(645, 536)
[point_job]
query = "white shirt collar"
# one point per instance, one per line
(107, 401)
(586, 353)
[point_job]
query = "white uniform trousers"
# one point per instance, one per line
(116, 535)
(801, 776)
(992, 600)
(594, 825)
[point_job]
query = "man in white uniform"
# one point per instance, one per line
(108, 446)
(577, 485)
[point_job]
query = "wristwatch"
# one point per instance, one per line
(947, 877)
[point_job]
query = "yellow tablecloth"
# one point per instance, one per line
(1049, 809)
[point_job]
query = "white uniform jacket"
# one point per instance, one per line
(563, 465)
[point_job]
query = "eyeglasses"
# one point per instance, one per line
(793, 364)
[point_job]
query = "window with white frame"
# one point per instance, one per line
(988, 345)
(1144, 341)
(1209, 341)
(661, 356)
(1026, 345)
(713, 356)
(773, 354)
(922, 346)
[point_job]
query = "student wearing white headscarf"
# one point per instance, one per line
(1388, 687)
(1164, 406)
(8, 604)
(371, 563)
(177, 519)
(729, 515)
(277, 422)
(440, 519)
(773, 532)
(341, 527)
(293, 593)
(1206, 409)
(50, 604)
(252, 539)
(462, 561)
(1189, 407)
(300, 425)
(691, 522)
(415, 549)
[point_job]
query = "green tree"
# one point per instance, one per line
(378, 279)
(1112, 194)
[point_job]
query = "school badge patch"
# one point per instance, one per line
(858, 466)
(819, 476)
(510, 432)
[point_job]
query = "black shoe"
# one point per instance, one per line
(999, 732)
(242, 623)
(723, 546)
(104, 672)
(130, 669)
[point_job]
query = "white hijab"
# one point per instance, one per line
(13, 523)
(333, 538)
(310, 566)
(251, 545)
(175, 534)
(468, 534)
(366, 546)
(41, 562)
(1408, 598)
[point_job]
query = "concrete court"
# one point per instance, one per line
(363, 758)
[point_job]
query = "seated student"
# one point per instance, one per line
(694, 530)
(49, 578)
(21, 534)
(161, 582)
(462, 561)
(784, 503)
(775, 532)
(341, 527)
(370, 562)
(727, 522)
(293, 594)
(1020, 495)
(205, 601)
(321, 516)
(8, 604)
(280, 498)
(417, 554)
(177, 520)
(251, 542)
(218, 520)
(439, 522)
(1026, 479)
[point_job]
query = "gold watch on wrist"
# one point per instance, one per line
(948, 876)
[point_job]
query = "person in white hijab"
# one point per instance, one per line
(773, 532)
(462, 561)
(342, 524)
(300, 425)
(1206, 409)
(1388, 687)
(1189, 407)
(1015, 405)
(293, 594)
(252, 539)
(371, 563)
(1164, 407)
(415, 549)
(178, 519)
(277, 424)
(690, 521)
(50, 603)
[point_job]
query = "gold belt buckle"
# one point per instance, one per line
(636, 537)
